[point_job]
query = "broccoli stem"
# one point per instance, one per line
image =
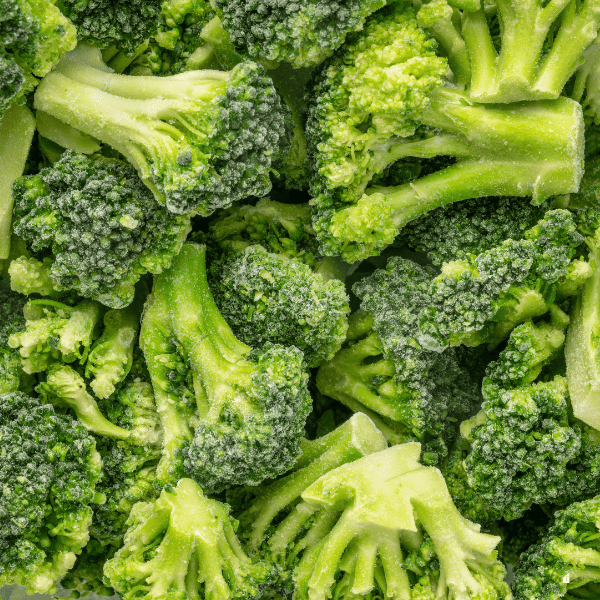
(17, 127)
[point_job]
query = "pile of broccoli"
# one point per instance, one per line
(300, 300)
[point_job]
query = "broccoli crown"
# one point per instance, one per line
(200, 139)
(481, 298)
(301, 34)
(235, 415)
(183, 545)
(119, 23)
(33, 36)
(100, 248)
(564, 561)
(472, 226)
(268, 298)
(48, 475)
(525, 447)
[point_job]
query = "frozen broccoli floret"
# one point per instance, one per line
(184, 544)
(48, 474)
(100, 225)
(12, 321)
(231, 415)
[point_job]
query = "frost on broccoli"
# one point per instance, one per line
(565, 561)
(301, 34)
(385, 96)
(48, 474)
(183, 545)
(231, 414)
(33, 37)
(12, 321)
(267, 297)
(478, 300)
(200, 139)
(98, 248)
(525, 446)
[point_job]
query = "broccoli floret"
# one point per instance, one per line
(124, 24)
(473, 226)
(28, 275)
(267, 297)
(101, 225)
(184, 545)
(301, 34)
(525, 446)
(17, 127)
(479, 299)
(87, 574)
(384, 97)
(564, 562)
(200, 139)
(12, 321)
(233, 415)
(526, 50)
(33, 36)
(48, 474)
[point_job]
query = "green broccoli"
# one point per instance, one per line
(99, 248)
(565, 561)
(478, 300)
(183, 545)
(383, 97)
(200, 139)
(33, 36)
(267, 297)
(230, 414)
(120, 23)
(525, 446)
(12, 321)
(301, 34)
(87, 574)
(48, 473)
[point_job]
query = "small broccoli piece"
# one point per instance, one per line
(12, 321)
(184, 545)
(200, 139)
(56, 332)
(383, 97)
(582, 349)
(564, 562)
(120, 23)
(48, 474)
(99, 248)
(479, 299)
(267, 297)
(28, 275)
(232, 414)
(33, 36)
(525, 446)
(455, 231)
(111, 355)
(301, 34)
(17, 127)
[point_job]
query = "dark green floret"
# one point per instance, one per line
(12, 321)
(200, 139)
(565, 562)
(183, 545)
(48, 474)
(267, 297)
(231, 414)
(100, 225)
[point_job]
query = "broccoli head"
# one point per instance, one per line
(49, 470)
(385, 96)
(267, 297)
(564, 562)
(301, 34)
(33, 37)
(100, 225)
(183, 545)
(231, 415)
(200, 139)
(124, 24)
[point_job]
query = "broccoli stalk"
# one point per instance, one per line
(200, 139)
(236, 415)
(184, 544)
(17, 126)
